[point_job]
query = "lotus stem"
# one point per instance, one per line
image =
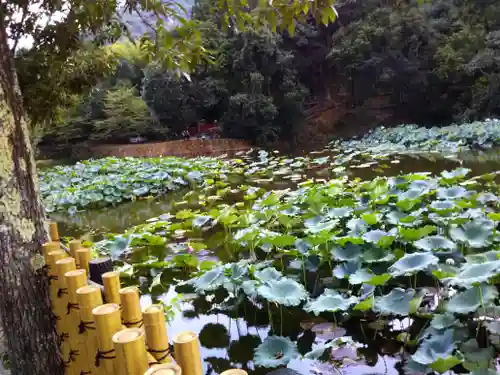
(270, 314)
(281, 320)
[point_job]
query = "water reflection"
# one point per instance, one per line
(228, 339)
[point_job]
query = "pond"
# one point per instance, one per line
(230, 327)
(128, 214)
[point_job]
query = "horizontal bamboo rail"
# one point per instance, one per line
(116, 337)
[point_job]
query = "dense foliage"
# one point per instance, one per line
(415, 246)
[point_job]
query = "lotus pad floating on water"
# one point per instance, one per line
(275, 351)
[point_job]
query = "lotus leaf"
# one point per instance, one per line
(437, 346)
(319, 350)
(339, 212)
(435, 243)
(475, 273)
(275, 351)
(210, 280)
(286, 292)
(349, 252)
(443, 321)
(454, 192)
(412, 263)
(474, 234)
(267, 274)
(331, 301)
(378, 237)
(471, 299)
(365, 276)
(397, 302)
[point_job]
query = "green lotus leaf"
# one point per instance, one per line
(365, 276)
(339, 212)
(275, 351)
(443, 365)
(456, 173)
(487, 197)
(200, 221)
(401, 218)
(410, 195)
(443, 321)
(475, 357)
(331, 301)
(268, 274)
(435, 243)
(397, 302)
(349, 252)
(412, 263)
(376, 254)
(475, 234)
(445, 205)
(377, 237)
(319, 350)
(286, 292)
(317, 224)
(357, 226)
(471, 299)
(485, 371)
(454, 192)
(210, 280)
(438, 345)
(475, 273)
(414, 234)
(249, 287)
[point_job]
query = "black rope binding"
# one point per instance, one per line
(62, 291)
(134, 324)
(165, 352)
(85, 325)
(62, 337)
(71, 306)
(71, 357)
(103, 355)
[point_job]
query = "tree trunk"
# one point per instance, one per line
(25, 312)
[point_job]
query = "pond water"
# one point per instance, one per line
(229, 336)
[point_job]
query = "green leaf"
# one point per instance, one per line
(397, 302)
(472, 299)
(413, 263)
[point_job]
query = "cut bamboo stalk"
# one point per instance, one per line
(52, 258)
(75, 280)
(84, 255)
(74, 245)
(131, 354)
(108, 322)
(131, 307)
(89, 297)
(156, 333)
(48, 247)
(63, 266)
(53, 231)
(187, 353)
(164, 369)
(234, 371)
(111, 281)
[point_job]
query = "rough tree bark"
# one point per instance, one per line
(25, 312)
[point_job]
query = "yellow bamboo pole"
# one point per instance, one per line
(131, 354)
(74, 245)
(108, 322)
(49, 247)
(187, 353)
(164, 369)
(131, 307)
(89, 297)
(83, 256)
(75, 280)
(156, 333)
(234, 371)
(111, 281)
(53, 231)
(63, 266)
(52, 258)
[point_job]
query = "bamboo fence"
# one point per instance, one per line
(111, 334)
